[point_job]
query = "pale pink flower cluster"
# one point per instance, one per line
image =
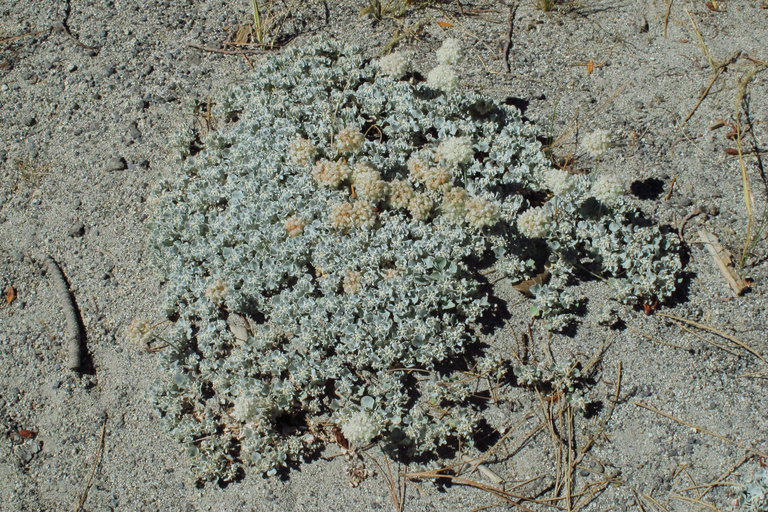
(345, 216)
(301, 151)
(419, 206)
(433, 177)
(330, 173)
(352, 281)
(481, 212)
(400, 193)
(368, 183)
(294, 225)
(349, 140)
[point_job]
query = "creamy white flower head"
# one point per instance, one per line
(400, 194)
(329, 173)
(535, 222)
(559, 182)
(481, 212)
(244, 409)
(349, 139)
(444, 78)
(455, 151)
(216, 291)
(396, 65)
(294, 225)
(608, 188)
(368, 183)
(419, 206)
(301, 151)
(597, 142)
(360, 428)
(450, 52)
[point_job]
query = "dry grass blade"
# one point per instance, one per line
(701, 42)
(725, 475)
(654, 340)
(395, 485)
(94, 467)
(509, 497)
(666, 17)
(716, 331)
(701, 429)
(694, 500)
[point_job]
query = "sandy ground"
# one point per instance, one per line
(92, 91)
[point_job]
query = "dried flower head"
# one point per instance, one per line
(294, 225)
(139, 332)
(216, 292)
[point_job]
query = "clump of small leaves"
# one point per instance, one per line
(321, 257)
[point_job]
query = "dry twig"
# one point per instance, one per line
(69, 306)
(724, 261)
(508, 43)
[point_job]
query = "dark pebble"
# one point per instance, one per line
(77, 229)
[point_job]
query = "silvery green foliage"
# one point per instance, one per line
(555, 379)
(755, 496)
(327, 240)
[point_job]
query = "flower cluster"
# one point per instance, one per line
(597, 142)
(443, 77)
(396, 65)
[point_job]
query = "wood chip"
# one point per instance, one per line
(724, 261)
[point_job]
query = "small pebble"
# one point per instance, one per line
(642, 24)
(77, 229)
(133, 131)
(116, 163)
